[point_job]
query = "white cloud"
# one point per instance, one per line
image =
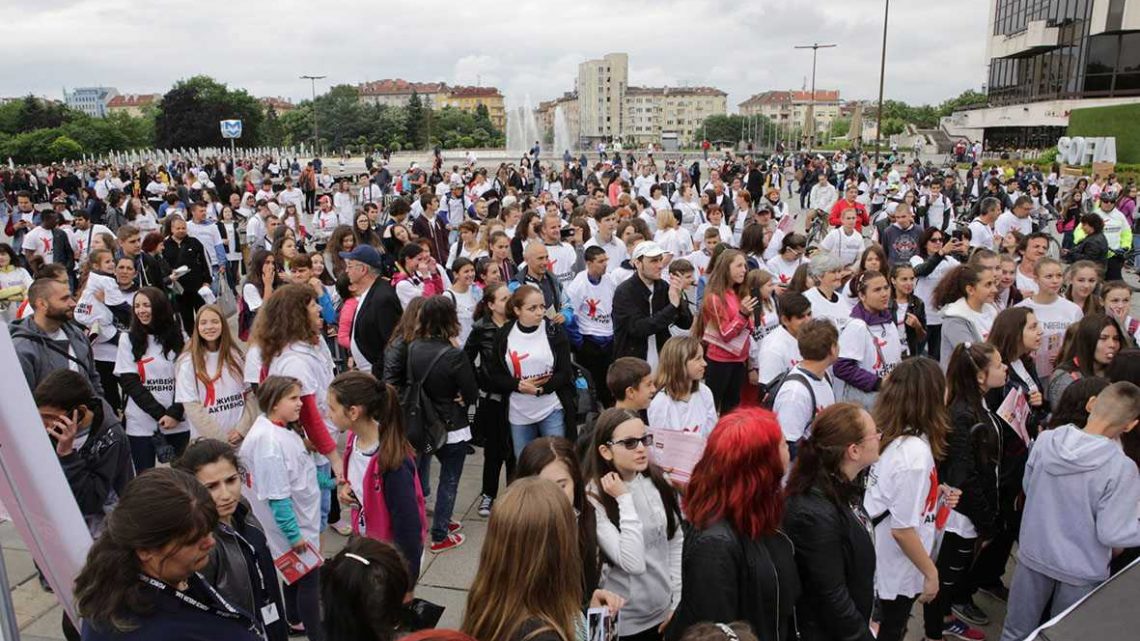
(530, 50)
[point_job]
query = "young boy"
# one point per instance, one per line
(683, 269)
(630, 381)
(780, 350)
(591, 328)
(807, 389)
(1082, 493)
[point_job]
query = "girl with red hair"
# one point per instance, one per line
(737, 564)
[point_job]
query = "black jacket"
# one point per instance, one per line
(191, 254)
(979, 464)
(915, 306)
(499, 379)
(99, 471)
(480, 348)
(835, 555)
(452, 377)
(233, 569)
(152, 271)
(395, 363)
(637, 315)
(725, 577)
(375, 319)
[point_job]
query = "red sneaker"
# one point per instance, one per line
(450, 543)
(454, 526)
(957, 628)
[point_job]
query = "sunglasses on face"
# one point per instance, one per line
(632, 443)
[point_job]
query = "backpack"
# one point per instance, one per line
(768, 393)
(425, 428)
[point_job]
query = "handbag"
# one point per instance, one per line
(226, 300)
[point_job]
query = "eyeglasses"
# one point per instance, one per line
(632, 443)
(936, 239)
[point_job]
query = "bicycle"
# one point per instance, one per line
(818, 229)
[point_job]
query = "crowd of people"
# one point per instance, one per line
(897, 376)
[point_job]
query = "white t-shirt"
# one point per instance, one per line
(560, 261)
(209, 236)
(40, 242)
(1053, 319)
(357, 468)
(875, 347)
(156, 371)
(81, 241)
(697, 414)
(981, 235)
(903, 482)
(1026, 283)
(615, 250)
(837, 311)
(1007, 222)
(983, 320)
(465, 309)
(783, 270)
(675, 241)
(724, 230)
(793, 404)
(769, 321)
(529, 356)
(845, 248)
(592, 305)
(776, 354)
(924, 285)
(223, 400)
(324, 222)
(279, 467)
(313, 366)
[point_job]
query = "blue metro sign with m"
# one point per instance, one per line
(231, 129)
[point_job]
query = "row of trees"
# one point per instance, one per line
(35, 130)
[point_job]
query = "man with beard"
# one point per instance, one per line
(50, 340)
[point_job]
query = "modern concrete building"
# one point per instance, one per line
(90, 100)
(654, 113)
(1046, 58)
(601, 87)
(134, 105)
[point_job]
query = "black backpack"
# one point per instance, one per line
(425, 428)
(768, 393)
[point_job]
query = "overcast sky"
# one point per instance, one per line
(530, 49)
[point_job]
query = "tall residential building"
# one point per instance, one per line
(90, 100)
(132, 104)
(601, 90)
(1046, 58)
(789, 108)
(654, 113)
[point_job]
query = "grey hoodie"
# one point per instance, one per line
(40, 355)
(1082, 500)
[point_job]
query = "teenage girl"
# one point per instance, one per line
(1054, 313)
(639, 523)
(282, 488)
(683, 402)
(1081, 281)
(907, 310)
(383, 487)
(725, 324)
(1116, 298)
(869, 346)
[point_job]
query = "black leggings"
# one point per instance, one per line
(954, 559)
(596, 359)
(491, 423)
(303, 604)
(934, 341)
(894, 616)
(725, 380)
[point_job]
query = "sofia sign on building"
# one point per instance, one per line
(1085, 151)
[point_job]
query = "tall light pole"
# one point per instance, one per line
(815, 47)
(314, 79)
(882, 75)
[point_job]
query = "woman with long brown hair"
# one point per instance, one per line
(209, 383)
(902, 495)
(383, 487)
(826, 522)
(529, 583)
(725, 325)
(140, 572)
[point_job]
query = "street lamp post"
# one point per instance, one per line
(316, 138)
(882, 75)
(815, 47)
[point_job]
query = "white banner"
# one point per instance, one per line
(33, 487)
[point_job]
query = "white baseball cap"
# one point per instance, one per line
(647, 249)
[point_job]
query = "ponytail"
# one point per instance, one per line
(381, 403)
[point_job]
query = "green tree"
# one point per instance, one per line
(189, 113)
(65, 148)
(415, 124)
(893, 126)
(839, 127)
(968, 98)
(272, 133)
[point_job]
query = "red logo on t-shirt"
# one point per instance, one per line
(47, 244)
(211, 395)
(784, 278)
(932, 496)
(516, 362)
(550, 264)
(879, 352)
(592, 304)
(142, 367)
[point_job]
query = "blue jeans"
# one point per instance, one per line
(451, 457)
(522, 435)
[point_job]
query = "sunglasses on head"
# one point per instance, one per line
(632, 443)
